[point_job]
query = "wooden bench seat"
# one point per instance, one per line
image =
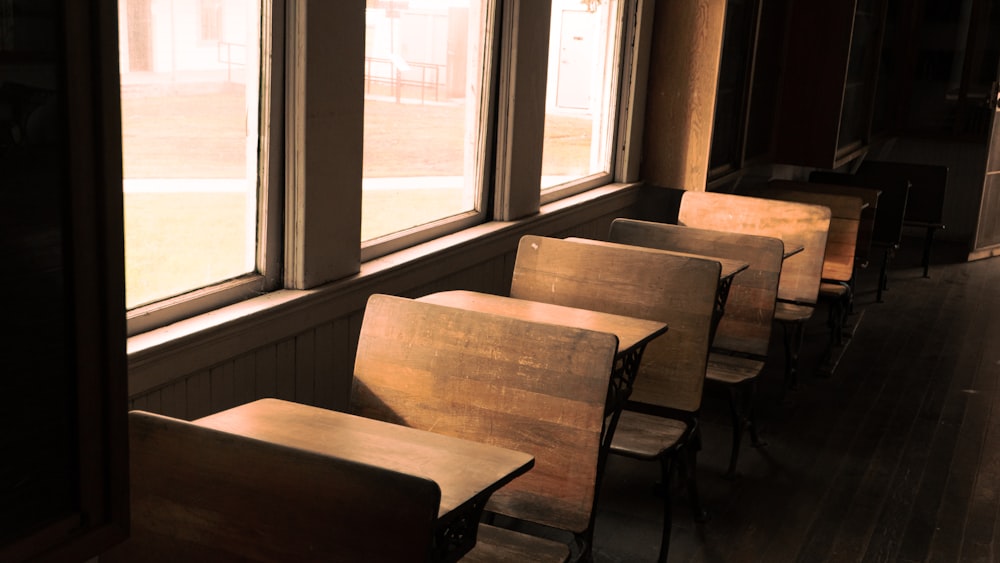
(496, 544)
(649, 284)
(743, 336)
(797, 225)
(527, 386)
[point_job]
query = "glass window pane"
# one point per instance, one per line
(581, 90)
(189, 85)
(423, 90)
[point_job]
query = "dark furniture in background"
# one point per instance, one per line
(925, 201)
(831, 64)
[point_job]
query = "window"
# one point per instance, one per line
(425, 86)
(582, 91)
(190, 113)
(394, 122)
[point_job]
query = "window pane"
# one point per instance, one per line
(189, 84)
(423, 87)
(581, 90)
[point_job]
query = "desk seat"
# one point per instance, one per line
(731, 369)
(496, 545)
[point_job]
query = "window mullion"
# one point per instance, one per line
(325, 128)
(521, 107)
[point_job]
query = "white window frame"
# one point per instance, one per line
(269, 197)
(621, 65)
(406, 238)
(312, 127)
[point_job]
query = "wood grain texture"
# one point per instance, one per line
(866, 228)
(729, 267)
(201, 494)
(461, 468)
(531, 387)
(730, 369)
(746, 325)
(647, 436)
(796, 224)
(630, 331)
(637, 282)
(683, 80)
(845, 221)
(495, 544)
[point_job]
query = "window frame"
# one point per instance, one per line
(269, 196)
(393, 242)
(622, 66)
(310, 175)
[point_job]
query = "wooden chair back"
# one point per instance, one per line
(845, 221)
(928, 188)
(866, 228)
(746, 325)
(892, 203)
(636, 282)
(796, 224)
(200, 494)
(531, 387)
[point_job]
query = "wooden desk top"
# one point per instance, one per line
(463, 469)
(730, 267)
(631, 332)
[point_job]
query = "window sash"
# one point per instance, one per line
(603, 58)
(267, 261)
(310, 171)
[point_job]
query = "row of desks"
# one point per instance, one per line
(467, 472)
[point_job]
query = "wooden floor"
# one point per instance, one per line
(896, 457)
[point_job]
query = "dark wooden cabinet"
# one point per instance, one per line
(63, 474)
(830, 72)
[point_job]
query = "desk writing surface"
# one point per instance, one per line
(730, 267)
(463, 469)
(631, 332)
